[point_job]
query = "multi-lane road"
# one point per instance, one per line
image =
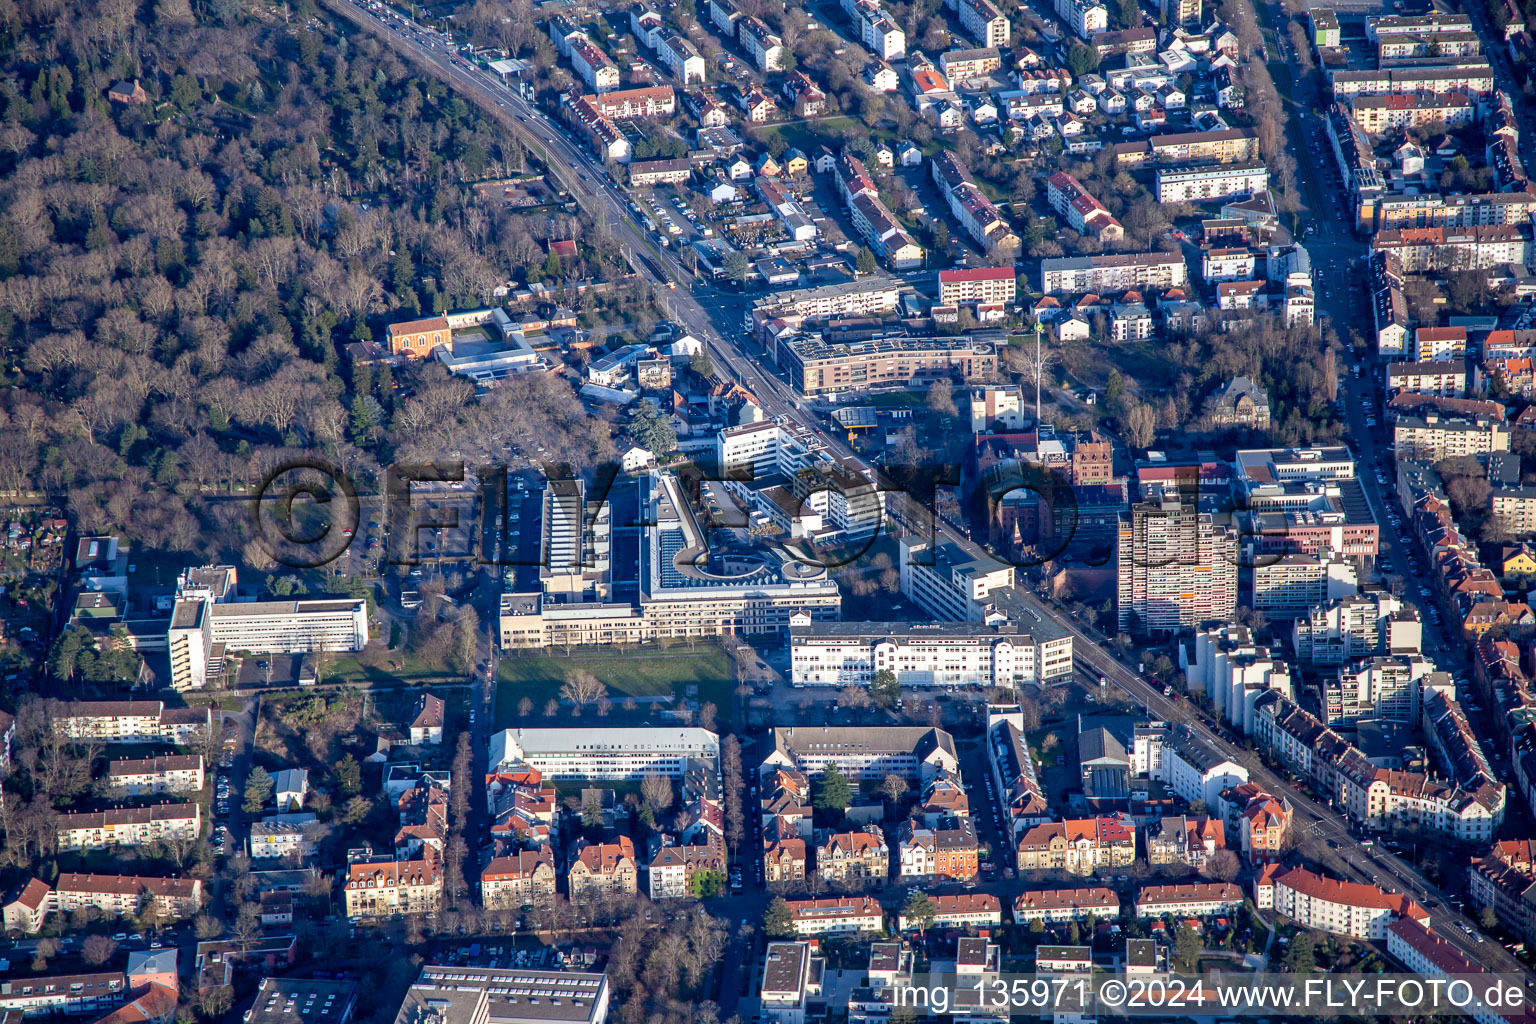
(1321, 830)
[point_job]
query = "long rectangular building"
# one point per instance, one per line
(1223, 146)
(1469, 75)
(126, 895)
(128, 826)
(130, 721)
(1197, 184)
(478, 995)
(607, 753)
(1114, 272)
(925, 654)
(818, 367)
(1381, 114)
(176, 773)
(202, 631)
(871, 752)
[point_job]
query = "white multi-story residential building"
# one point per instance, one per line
(1362, 626)
(1385, 688)
(1058, 906)
(1354, 909)
(1515, 509)
(281, 835)
(1086, 18)
(648, 101)
(997, 407)
(1224, 663)
(1411, 943)
(837, 915)
(174, 773)
(64, 994)
(593, 67)
(1177, 568)
(962, 910)
(881, 33)
(983, 22)
(1437, 248)
(1197, 184)
(977, 284)
(1286, 586)
(681, 58)
(1380, 115)
(1197, 771)
(912, 752)
(1198, 899)
(608, 753)
(1113, 272)
(964, 65)
(764, 47)
(875, 294)
(948, 584)
(128, 826)
(127, 895)
(1228, 265)
(130, 721)
(1466, 75)
(1427, 25)
(925, 654)
(1432, 437)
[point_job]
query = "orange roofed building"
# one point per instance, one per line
(599, 869)
(418, 339)
(387, 888)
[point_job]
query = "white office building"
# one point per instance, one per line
(207, 625)
(948, 583)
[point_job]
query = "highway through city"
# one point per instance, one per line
(1321, 830)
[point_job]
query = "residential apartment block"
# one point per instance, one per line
(1058, 906)
(128, 826)
(925, 654)
(130, 721)
(175, 773)
(1177, 568)
(837, 915)
(1113, 272)
(1197, 184)
(817, 367)
(1354, 909)
(127, 895)
(1080, 846)
(977, 284)
(515, 880)
(1198, 899)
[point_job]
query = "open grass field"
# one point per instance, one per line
(649, 672)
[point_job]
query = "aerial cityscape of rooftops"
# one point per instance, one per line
(711, 511)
